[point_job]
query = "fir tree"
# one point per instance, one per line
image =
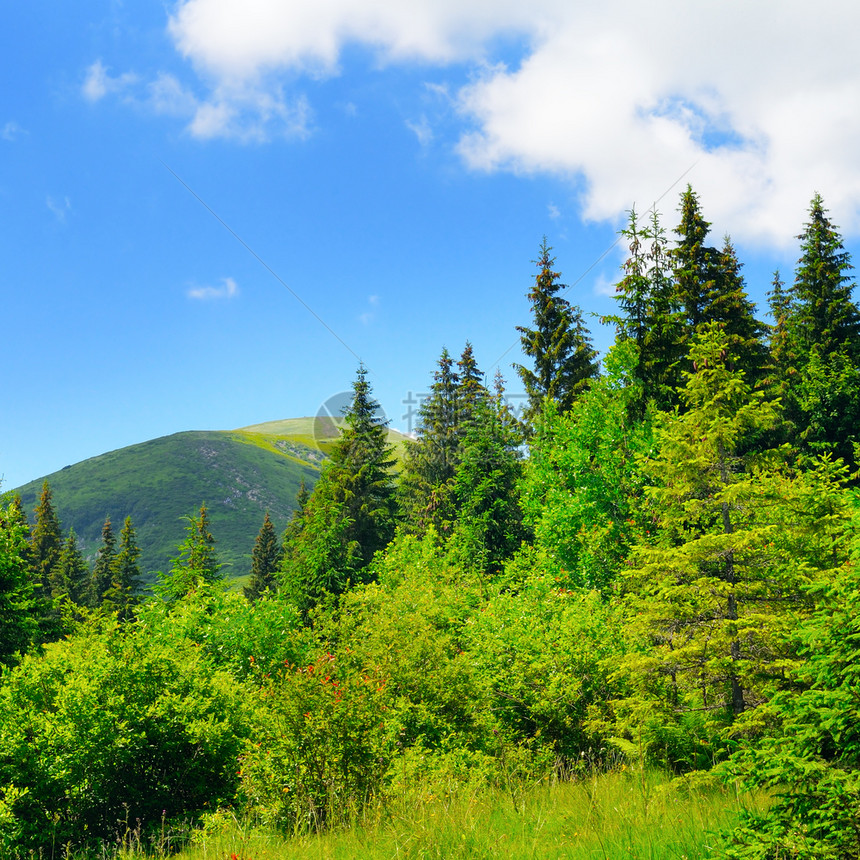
(121, 595)
(71, 575)
(45, 543)
(197, 563)
(471, 394)
(717, 582)
(103, 569)
(489, 525)
(825, 316)
(18, 625)
(559, 345)
(709, 289)
(649, 316)
(265, 561)
(351, 513)
(430, 461)
(696, 264)
(820, 346)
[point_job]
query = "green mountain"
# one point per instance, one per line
(239, 474)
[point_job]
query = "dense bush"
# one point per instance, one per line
(114, 730)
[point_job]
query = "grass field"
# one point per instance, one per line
(611, 816)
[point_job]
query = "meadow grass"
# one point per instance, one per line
(622, 814)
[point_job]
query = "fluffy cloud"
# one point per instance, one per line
(11, 131)
(98, 82)
(755, 104)
(227, 290)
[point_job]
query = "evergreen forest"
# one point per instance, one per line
(647, 581)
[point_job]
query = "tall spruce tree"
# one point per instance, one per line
(45, 543)
(197, 563)
(18, 625)
(709, 289)
(820, 344)
(71, 576)
(351, 512)
(265, 561)
(121, 595)
(559, 345)
(649, 314)
(431, 460)
(471, 394)
(719, 579)
(103, 569)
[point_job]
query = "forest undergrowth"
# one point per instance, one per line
(625, 813)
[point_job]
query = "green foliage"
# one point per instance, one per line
(103, 569)
(265, 560)
(715, 591)
(321, 749)
(541, 656)
(408, 628)
(810, 757)
(196, 563)
(559, 344)
(351, 513)
(247, 639)
(17, 625)
(582, 480)
(112, 730)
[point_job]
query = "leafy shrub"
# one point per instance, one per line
(113, 730)
(243, 637)
(321, 750)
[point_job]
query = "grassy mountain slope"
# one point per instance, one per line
(239, 474)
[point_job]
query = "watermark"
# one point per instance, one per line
(329, 421)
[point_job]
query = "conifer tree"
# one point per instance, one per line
(696, 264)
(559, 344)
(45, 543)
(121, 595)
(471, 394)
(265, 561)
(825, 316)
(821, 342)
(649, 314)
(489, 525)
(430, 461)
(709, 288)
(197, 563)
(17, 622)
(719, 583)
(103, 569)
(71, 576)
(351, 512)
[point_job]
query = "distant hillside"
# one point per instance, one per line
(240, 474)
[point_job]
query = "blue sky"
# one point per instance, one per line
(396, 164)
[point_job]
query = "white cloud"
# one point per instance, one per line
(421, 130)
(11, 131)
(98, 83)
(60, 208)
(756, 104)
(553, 211)
(368, 316)
(227, 290)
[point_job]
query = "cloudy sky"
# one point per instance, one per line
(212, 209)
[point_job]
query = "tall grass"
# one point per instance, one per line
(622, 814)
